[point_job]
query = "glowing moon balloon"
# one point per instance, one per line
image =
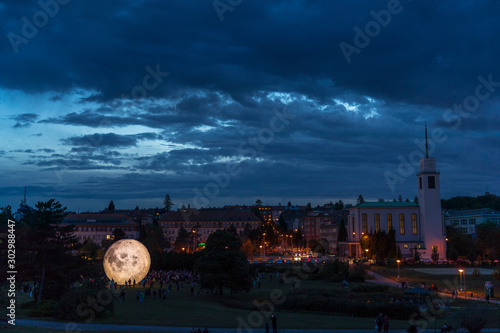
(126, 259)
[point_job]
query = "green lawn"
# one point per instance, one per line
(182, 309)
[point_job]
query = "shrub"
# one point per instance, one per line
(43, 309)
(84, 303)
(368, 288)
(306, 300)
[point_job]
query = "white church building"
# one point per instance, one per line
(419, 226)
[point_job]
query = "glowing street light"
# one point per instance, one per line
(264, 234)
(460, 271)
(398, 261)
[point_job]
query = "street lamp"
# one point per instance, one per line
(366, 254)
(398, 261)
(261, 251)
(194, 232)
(460, 271)
(264, 234)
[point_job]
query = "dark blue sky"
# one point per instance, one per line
(220, 102)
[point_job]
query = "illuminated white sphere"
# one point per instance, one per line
(126, 259)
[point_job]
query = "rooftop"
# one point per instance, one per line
(472, 212)
(210, 215)
(387, 204)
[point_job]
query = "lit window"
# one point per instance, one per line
(377, 222)
(389, 221)
(365, 224)
(401, 224)
(414, 223)
(405, 246)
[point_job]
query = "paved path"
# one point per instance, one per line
(137, 328)
(379, 279)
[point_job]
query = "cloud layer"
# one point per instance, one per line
(136, 99)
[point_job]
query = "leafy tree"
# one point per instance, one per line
(360, 200)
(487, 235)
(232, 230)
(167, 203)
(223, 264)
(111, 206)
(435, 254)
(475, 317)
(154, 239)
(309, 207)
(91, 249)
(476, 273)
(459, 244)
(400, 198)
(398, 253)
(258, 202)
(391, 243)
(249, 249)
(339, 205)
(282, 224)
(5, 215)
(415, 200)
(297, 237)
(182, 240)
(289, 204)
(48, 241)
(118, 234)
(416, 255)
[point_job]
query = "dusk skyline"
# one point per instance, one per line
(281, 101)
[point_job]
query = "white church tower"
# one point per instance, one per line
(429, 200)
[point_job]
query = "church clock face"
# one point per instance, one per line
(429, 164)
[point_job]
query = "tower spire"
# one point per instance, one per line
(426, 144)
(24, 195)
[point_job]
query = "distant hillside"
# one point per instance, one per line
(482, 201)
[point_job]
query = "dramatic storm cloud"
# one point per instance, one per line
(219, 102)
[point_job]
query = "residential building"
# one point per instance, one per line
(206, 221)
(467, 220)
(100, 226)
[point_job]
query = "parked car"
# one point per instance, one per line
(279, 261)
(255, 262)
(270, 261)
(288, 261)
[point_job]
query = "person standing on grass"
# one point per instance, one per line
(379, 322)
(385, 321)
(274, 321)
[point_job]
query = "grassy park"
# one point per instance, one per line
(180, 308)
